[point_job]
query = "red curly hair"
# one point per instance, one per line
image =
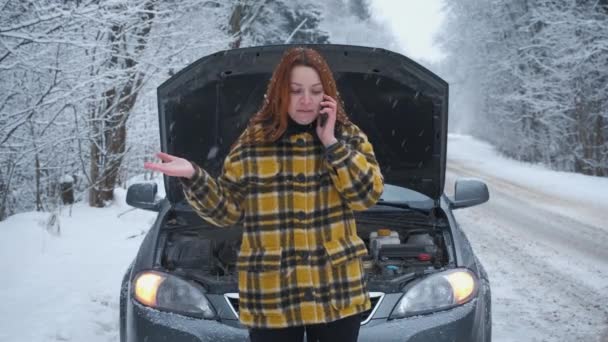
(270, 122)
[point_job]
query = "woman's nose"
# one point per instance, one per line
(306, 98)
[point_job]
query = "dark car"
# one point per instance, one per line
(424, 280)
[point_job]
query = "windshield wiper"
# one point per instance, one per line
(403, 205)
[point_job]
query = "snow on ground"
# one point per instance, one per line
(65, 286)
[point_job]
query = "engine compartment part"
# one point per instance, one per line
(382, 236)
(190, 254)
(396, 254)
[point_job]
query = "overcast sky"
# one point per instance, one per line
(414, 22)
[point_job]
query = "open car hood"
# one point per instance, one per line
(400, 105)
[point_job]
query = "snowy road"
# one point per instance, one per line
(546, 258)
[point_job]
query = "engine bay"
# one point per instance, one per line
(399, 250)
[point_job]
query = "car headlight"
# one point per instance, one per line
(168, 292)
(437, 292)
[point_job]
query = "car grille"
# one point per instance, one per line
(375, 298)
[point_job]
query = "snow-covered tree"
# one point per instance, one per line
(70, 75)
(528, 77)
(350, 22)
(275, 22)
(78, 80)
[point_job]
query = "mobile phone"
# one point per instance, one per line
(323, 117)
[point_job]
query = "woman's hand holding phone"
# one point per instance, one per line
(326, 121)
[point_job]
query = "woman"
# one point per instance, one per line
(293, 181)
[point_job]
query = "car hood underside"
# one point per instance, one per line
(401, 106)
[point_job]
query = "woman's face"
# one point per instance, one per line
(305, 94)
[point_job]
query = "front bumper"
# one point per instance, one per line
(146, 324)
(463, 323)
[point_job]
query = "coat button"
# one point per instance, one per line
(309, 295)
(300, 142)
(300, 177)
(301, 215)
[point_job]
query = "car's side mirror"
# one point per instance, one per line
(143, 196)
(469, 192)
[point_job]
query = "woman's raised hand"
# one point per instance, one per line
(327, 133)
(171, 166)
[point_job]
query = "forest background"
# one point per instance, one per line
(78, 79)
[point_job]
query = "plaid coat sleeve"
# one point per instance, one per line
(218, 201)
(354, 169)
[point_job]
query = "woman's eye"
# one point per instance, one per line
(317, 92)
(296, 91)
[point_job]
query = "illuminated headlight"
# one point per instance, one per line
(168, 292)
(436, 292)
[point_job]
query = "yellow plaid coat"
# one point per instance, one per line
(299, 261)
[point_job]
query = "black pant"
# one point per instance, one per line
(342, 330)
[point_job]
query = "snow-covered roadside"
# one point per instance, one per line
(581, 197)
(542, 239)
(65, 288)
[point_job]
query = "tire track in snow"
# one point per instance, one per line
(594, 215)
